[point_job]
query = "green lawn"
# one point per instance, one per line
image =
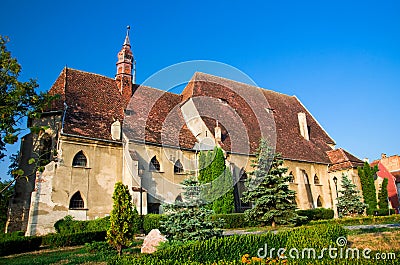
(71, 255)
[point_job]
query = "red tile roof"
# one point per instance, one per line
(341, 159)
(93, 101)
(391, 188)
(154, 116)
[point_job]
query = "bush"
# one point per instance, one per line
(152, 221)
(69, 226)
(226, 248)
(315, 214)
(100, 247)
(384, 212)
(234, 247)
(63, 240)
(234, 220)
(364, 220)
(18, 244)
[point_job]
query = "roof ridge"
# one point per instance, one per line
(158, 89)
(86, 72)
(238, 82)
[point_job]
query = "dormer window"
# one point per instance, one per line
(223, 101)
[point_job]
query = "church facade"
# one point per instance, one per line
(103, 130)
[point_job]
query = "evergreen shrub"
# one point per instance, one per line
(64, 240)
(19, 244)
(152, 221)
(69, 226)
(315, 214)
(234, 220)
(234, 247)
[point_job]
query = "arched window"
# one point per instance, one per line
(154, 164)
(319, 201)
(291, 180)
(305, 176)
(45, 149)
(316, 179)
(242, 188)
(79, 160)
(76, 201)
(178, 168)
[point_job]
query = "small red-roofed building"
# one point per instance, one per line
(389, 168)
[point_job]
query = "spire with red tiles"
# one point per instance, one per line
(125, 62)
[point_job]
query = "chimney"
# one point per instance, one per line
(366, 159)
(303, 125)
(218, 133)
(383, 156)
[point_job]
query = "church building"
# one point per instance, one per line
(102, 130)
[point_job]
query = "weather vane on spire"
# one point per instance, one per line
(127, 42)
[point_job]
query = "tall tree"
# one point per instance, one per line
(4, 201)
(17, 100)
(268, 190)
(218, 180)
(383, 196)
(349, 200)
(124, 219)
(367, 176)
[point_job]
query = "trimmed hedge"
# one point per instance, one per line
(64, 240)
(234, 247)
(384, 212)
(315, 214)
(152, 221)
(364, 220)
(69, 226)
(19, 244)
(234, 220)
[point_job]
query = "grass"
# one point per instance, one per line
(70, 255)
(378, 240)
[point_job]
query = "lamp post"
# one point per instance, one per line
(335, 181)
(140, 173)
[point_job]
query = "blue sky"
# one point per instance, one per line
(340, 58)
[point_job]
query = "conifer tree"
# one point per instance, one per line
(189, 219)
(269, 191)
(367, 177)
(124, 219)
(383, 196)
(349, 201)
(217, 181)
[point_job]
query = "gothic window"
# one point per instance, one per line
(178, 168)
(45, 154)
(316, 179)
(291, 180)
(305, 176)
(79, 160)
(319, 201)
(242, 189)
(154, 164)
(76, 201)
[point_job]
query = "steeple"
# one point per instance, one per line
(125, 63)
